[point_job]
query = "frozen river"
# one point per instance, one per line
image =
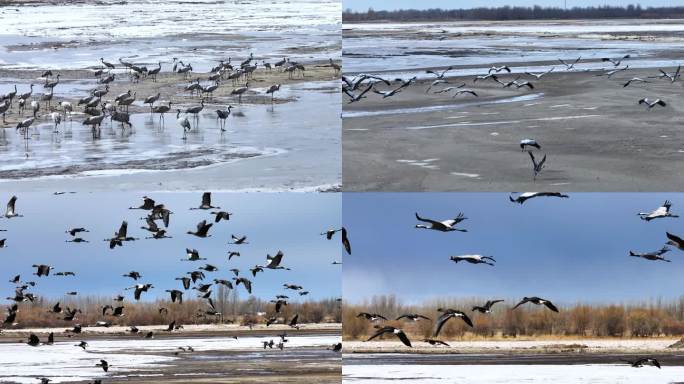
(63, 362)
(500, 374)
(266, 147)
(406, 49)
(499, 368)
(69, 36)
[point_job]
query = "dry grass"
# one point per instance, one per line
(232, 308)
(649, 319)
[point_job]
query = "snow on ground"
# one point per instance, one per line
(493, 374)
(64, 361)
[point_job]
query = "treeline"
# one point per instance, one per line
(650, 319)
(516, 13)
(191, 311)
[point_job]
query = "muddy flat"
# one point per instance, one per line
(522, 346)
(591, 128)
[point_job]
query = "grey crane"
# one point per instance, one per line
(222, 115)
(442, 226)
(652, 256)
(523, 197)
(474, 259)
(537, 301)
(184, 123)
(487, 307)
(661, 212)
(394, 331)
(450, 314)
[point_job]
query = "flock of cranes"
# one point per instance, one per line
(96, 108)
(200, 278)
(358, 87)
(446, 314)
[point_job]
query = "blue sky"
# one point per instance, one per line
(567, 250)
(362, 5)
(290, 222)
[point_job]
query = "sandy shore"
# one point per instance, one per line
(191, 330)
(595, 135)
(188, 370)
(169, 85)
(646, 345)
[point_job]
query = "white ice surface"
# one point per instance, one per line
(509, 374)
(63, 361)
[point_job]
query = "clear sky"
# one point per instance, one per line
(566, 250)
(362, 5)
(290, 222)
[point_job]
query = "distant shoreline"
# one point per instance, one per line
(516, 21)
(200, 330)
(522, 347)
(513, 13)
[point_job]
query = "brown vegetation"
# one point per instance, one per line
(192, 311)
(649, 319)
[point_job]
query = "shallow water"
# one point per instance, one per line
(152, 30)
(252, 131)
(76, 36)
(63, 361)
(447, 107)
(67, 88)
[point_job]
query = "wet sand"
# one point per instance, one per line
(191, 330)
(595, 135)
(169, 85)
(521, 347)
(300, 365)
(305, 366)
(507, 358)
(559, 361)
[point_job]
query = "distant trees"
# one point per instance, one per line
(651, 319)
(192, 311)
(516, 13)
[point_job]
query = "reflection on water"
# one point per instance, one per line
(253, 131)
